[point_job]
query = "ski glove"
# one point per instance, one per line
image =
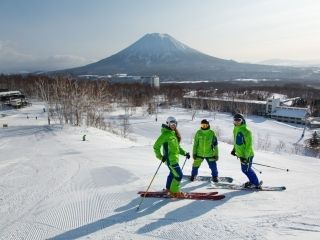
(188, 155)
(194, 156)
(233, 152)
(163, 159)
(244, 160)
(216, 158)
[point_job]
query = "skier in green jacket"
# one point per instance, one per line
(169, 141)
(244, 151)
(205, 146)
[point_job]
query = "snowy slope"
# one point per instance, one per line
(53, 185)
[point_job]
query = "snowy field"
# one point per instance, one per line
(53, 185)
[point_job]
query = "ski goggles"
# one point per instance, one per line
(237, 120)
(173, 123)
(204, 125)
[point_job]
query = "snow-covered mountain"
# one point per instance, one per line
(157, 44)
(165, 56)
(154, 53)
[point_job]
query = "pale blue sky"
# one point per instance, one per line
(64, 33)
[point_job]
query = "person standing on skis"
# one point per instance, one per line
(243, 150)
(169, 140)
(205, 146)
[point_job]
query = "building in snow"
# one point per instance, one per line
(153, 81)
(290, 114)
(7, 95)
(272, 108)
(12, 98)
(280, 113)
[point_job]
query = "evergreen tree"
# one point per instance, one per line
(314, 141)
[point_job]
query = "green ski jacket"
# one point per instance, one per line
(205, 144)
(170, 146)
(243, 141)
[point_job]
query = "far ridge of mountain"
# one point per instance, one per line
(289, 62)
(165, 56)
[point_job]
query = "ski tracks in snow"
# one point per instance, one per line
(60, 187)
(29, 181)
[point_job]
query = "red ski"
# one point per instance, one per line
(187, 195)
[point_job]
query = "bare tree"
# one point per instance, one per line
(263, 142)
(44, 90)
(281, 146)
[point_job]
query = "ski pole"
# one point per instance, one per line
(184, 164)
(272, 167)
(257, 169)
(149, 186)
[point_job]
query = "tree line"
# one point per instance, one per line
(85, 102)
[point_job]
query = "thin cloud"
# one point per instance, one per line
(11, 61)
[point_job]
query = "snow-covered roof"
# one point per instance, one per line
(9, 93)
(228, 99)
(290, 112)
(278, 95)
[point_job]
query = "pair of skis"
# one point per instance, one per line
(223, 183)
(186, 195)
(226, 183)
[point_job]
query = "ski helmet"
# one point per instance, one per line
(171, 120)
(239, 117)
(205, 124)
(204, 121)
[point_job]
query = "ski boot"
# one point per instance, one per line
(165, 190)
(252, 186)
(248, 185)
(259, 186)
(215, 179)
(177, 194)
(192, 178)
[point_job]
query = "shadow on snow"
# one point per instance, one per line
(128, 213)
(189, 212)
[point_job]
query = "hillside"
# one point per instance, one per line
(53, 185)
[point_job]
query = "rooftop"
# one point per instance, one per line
(9, 93)
(228, 99)
(290, 112)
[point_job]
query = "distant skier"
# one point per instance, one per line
(169, 140)
(205, 146)
(244, 151)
